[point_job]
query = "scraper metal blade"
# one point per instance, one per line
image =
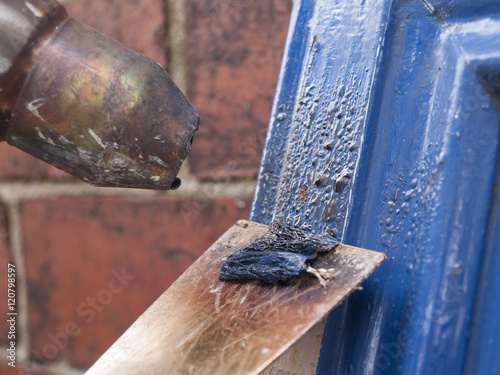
(201, 325)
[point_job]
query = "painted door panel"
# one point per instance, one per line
(385, 133)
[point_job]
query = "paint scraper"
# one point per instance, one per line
(202, 325)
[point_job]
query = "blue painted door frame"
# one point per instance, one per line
(387, 117)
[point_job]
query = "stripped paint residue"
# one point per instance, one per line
(279, 255)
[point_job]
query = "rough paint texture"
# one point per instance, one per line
(234, 50)
(76, 246)
(396, 159)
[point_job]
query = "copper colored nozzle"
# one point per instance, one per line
(102, 112)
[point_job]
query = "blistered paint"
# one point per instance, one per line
(391, 121)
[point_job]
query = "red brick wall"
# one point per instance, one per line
(89, 261)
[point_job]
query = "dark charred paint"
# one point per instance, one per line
(279, 255)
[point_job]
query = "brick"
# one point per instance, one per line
(75, 245)
(24, 369)
(138, 24)
(4, 260)
(18, 165)
(8, 370)
(234, 51)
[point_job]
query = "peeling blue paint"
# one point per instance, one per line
(385, 133)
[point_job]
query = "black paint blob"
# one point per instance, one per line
(280, 254)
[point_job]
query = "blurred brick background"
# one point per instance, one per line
(69, 241)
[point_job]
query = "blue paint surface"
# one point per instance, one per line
(387, 114)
